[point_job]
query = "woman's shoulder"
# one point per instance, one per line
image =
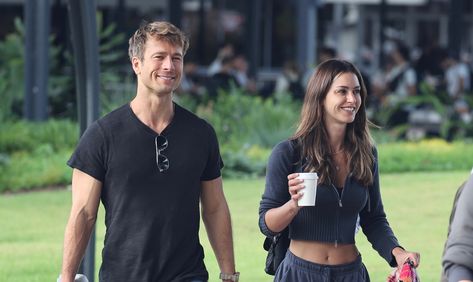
(286, 145)
(283, 153)
(374, 150)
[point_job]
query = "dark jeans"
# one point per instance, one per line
(295, 269)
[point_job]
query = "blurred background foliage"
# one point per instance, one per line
(34, 155)
(11, 72)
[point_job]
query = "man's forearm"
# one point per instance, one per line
(76, 238)
(219, 231)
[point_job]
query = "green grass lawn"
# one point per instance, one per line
(417, 204)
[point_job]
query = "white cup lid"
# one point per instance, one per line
(308, 175)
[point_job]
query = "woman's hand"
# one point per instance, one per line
(295, 186)
(402, 256)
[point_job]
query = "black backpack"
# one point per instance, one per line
(277, 247)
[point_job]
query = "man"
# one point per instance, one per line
(457, 260)
(150, 162)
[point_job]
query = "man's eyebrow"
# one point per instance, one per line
(164, 53)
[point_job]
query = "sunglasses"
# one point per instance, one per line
(162, 161)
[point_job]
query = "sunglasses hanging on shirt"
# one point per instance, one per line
(161, 143)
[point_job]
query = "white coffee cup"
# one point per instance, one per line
(310, 189)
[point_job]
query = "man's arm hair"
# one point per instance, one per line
(216, 217)
(85, 202)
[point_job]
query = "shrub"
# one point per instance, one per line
(26, 136)
(246, 162)
(41, 167)
(248, 127)
(451, 127)
(116, 88)
(426, 155)
(11, 72)
(242, 120)
(35, 154)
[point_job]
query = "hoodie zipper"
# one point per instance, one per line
(340, 205)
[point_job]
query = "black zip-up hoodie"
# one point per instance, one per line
(334, 216)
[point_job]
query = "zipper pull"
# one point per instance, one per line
(340, 203)
(336, 243)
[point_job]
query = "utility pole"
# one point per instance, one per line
(37, 15)
(306, 43)
(86, 58)
(382, 37)
(175, 12)
(455, 27)
(253, 10)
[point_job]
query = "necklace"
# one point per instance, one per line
(336, 160)
(337, 152)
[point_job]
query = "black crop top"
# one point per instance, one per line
(334, 216)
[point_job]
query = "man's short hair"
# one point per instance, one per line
(158, 30)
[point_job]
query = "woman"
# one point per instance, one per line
(333, 140)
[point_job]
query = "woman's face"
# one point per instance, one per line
(343, 99)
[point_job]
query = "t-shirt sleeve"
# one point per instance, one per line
(90, 154)
(214, 161)
(276, 192)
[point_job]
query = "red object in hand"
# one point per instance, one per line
(407, 273)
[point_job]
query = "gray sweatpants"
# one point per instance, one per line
(295, 269)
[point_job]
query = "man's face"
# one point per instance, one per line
(160, 71)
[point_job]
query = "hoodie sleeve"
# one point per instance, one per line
(375, 224)
(276, 191)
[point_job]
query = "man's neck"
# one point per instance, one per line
(156, 112)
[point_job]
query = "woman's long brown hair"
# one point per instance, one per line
(312, 137)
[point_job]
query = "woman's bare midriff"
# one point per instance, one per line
(324, 253)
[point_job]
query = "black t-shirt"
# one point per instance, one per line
(152, 218)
